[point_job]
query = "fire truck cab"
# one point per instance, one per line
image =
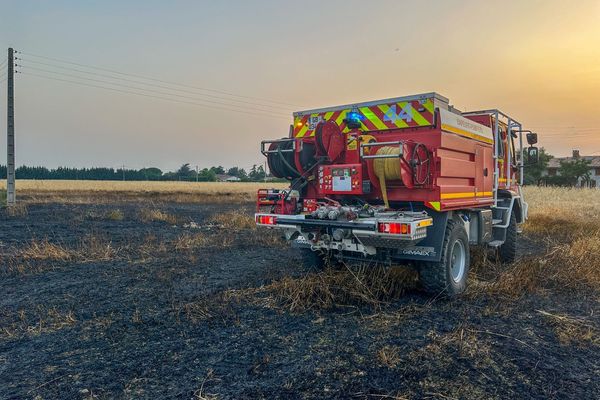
(409, 180)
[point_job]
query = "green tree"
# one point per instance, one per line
(257, 173)
(218, 170)
(239, 172)
(151, 174)
(207, 175)
(574, 171)
(185, 172)
(533, 173)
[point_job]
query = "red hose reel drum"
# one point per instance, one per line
(330, 140)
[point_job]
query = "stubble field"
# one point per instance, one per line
(120, 290)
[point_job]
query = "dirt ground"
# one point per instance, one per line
(165, 300)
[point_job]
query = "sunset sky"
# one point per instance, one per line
(538, 61)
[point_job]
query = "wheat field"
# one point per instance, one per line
(90, 192)
(30, 185)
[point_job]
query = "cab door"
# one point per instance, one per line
(484, 171)
(504, 158)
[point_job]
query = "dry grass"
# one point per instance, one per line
(156, 215)
(17, 210)
(44, 250)
(36, 321)
(39, 254)
(389, 356)
(189, 241)
(565, 223)
(571, 330)
(96, 248)
(234, 220)
(140, 186)
(95, 192)
(115, 215)
(348, 287)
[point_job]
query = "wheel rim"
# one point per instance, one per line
(457, 261)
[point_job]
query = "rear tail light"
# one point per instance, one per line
(266, 219)
(394, 228)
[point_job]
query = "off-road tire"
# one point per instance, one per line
(436, 277)
(507, 252)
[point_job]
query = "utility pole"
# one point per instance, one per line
(10, 133)
(123, 170)
(196, 174)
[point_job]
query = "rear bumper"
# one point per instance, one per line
(364, 235)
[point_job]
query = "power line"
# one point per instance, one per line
(154, 79)
(279, 108)
(570, 130)
(559, 126)
(572, 134)
(147, 95)
(150, 90)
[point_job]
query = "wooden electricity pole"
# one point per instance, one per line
(10, 134)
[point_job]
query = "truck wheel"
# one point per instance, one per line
(508, 250)
(313, 260)
(449, 275)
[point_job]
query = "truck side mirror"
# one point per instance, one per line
(531, 138)
(533, 155)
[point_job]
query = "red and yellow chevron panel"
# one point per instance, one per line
(404, 114)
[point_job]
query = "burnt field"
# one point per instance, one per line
(151, 298)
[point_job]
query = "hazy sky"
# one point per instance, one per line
(536, 60)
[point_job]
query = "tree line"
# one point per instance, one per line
(184, 173)
(570, 173)
(573, 172)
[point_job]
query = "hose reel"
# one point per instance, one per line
(330, 140)
(285, 162)
(389, 164)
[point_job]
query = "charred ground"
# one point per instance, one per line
(174, 300)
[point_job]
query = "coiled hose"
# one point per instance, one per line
(389, 168)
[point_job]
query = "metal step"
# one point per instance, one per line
(495, 243)
(496, 221)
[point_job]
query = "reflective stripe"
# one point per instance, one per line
(462, 132)
(465, 195)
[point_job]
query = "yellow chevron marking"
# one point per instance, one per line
(435, 205)
(419, 119)
(428, 105)
(399, 122)
(341, 117)
(371, 116)
(302, 131)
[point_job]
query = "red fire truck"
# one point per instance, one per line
(409, 180)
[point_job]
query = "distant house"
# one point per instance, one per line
(554, 164)
(227, 178)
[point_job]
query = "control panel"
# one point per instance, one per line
(340, 179)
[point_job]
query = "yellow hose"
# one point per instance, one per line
(387, 169)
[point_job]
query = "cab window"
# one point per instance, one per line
(500, 143)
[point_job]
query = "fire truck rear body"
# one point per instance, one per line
(391, 180)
